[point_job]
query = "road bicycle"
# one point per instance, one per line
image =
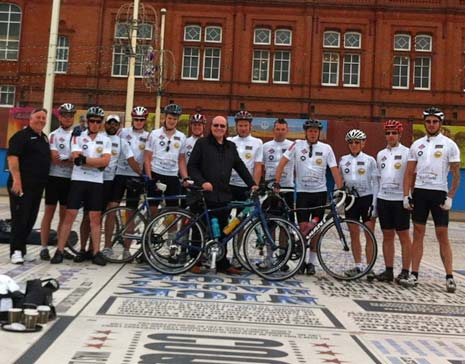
(176, 240)
(346, 249)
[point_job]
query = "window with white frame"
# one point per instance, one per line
(7, 95)
(10, 29)
(341, 58)
(62, 54)
(122, 49)
(272, 49)
(202, 52)
(412, 52)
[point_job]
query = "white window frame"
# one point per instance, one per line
(211, 68)
(207, 28)
(189, 76)
(7, 91)
(323, 83)
(62, 55)
(351, 73)
(430, 43)
(11, 46)
(281, 71)
(400, 87)
(193, 26)
(428, 77)
(276, 37)
(270, 35)
(141, 51)
(409, 43)
(346, 34)
(328, 32)
(261, 69)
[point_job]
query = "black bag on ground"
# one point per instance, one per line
(40, 292)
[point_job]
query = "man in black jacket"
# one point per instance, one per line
(210, 165)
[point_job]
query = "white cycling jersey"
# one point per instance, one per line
(311, 171)
(392, 163)
(273, 152)
(433, 155)
(137, 142)
(60, 142)
(250, 150)
(360, 172)
(96, 148)
(166, 151)
(118, 147)
(189, 146)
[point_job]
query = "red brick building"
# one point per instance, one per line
(359, 60)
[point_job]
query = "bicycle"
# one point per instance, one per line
(338, 253)
(122, 226)
(174, 241)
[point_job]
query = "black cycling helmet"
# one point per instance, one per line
(433, 111)
(95, 111)
(173, 109)
(243, 115)
(67, 108)
(312, 123)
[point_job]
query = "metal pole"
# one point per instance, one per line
(50, 73)
(132, 64)
(160, 75)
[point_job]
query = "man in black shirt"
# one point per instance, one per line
(29, 164)
(210, 165)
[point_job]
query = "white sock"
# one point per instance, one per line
(313, 258)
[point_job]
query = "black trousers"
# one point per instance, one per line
(24, 212)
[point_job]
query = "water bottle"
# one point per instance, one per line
(236, 221)
(308, 226)
(215, 228)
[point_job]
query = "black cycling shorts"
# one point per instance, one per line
(425, 201)
(173, 187)
(87, 194)
(360, 209)
(392, 215)
(120, 186)
(57, 190)
(310, 199)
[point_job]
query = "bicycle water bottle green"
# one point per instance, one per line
(215, 228)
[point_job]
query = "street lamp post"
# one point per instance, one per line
(160, 75)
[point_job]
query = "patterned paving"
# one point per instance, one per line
(132, 314)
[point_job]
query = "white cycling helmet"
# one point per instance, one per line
(433, 111)
(355, 134)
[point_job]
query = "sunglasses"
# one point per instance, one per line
(67, 115)
(310, 153)
(168, 146)
(139, 120)
(112, 122)
(431, 121)
(391, 133)
(354, 142)
(92, 121)
(222, 126)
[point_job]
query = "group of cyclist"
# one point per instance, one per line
(91, 168)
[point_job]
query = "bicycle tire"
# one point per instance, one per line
(125, 239)
(238, 250)
(337, 261)
(275, 260)
(172, 243)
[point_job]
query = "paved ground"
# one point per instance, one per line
(132, 314)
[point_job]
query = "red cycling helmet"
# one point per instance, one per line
(393, 124)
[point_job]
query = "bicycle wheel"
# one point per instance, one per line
(276, 259)
(121, 234)
(172, 242)
(339, 253)
(238, 250)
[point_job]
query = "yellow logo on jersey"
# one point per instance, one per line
(438, 154)
(99, 149)
(397, 165)
(361, 171)
(319, 161)
(141, 146)
(248, 155)
(176, 145)
(114, 152)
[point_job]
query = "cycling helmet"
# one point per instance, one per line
(198, 118)
(173, 109)
(67, 108)
(243, 115)
(95, 111)
(139, 112)
(355, 134)
(393, 124)
(434, 111)
(312, 123)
